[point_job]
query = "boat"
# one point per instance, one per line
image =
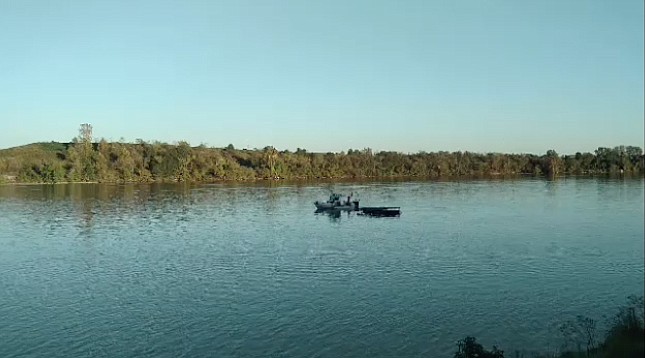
(335, 202)
(381, 211)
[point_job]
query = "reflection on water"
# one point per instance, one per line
(169, 270)
(334, 215)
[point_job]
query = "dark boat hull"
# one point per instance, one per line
(381, 211)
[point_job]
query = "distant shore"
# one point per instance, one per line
(143, 162)
(336, 179)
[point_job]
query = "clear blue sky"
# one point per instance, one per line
(484, 76)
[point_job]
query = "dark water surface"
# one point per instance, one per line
(249, 271)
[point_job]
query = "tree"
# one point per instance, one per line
(103, 161)
(125, 164)
(271, 156)
(82, 156)
(552, 163)
(183, 153)
(53, 172)
(469, 348)
(85, 133)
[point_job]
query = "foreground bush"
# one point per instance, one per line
(625, 337)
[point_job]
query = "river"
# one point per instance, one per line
(248, 270)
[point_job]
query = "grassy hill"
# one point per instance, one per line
(12, 160)
(34, 149)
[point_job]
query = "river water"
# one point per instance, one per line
(248, 270)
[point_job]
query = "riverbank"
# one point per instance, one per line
(582, 338)
(118, 162)
(344, 179)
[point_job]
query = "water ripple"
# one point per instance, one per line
(232, 271)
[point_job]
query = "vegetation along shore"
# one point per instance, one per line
(583, 338)
(84, 160)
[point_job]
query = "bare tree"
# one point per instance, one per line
(85, 133)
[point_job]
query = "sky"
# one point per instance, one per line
(428, 75)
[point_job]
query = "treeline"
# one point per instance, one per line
(84, 160)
